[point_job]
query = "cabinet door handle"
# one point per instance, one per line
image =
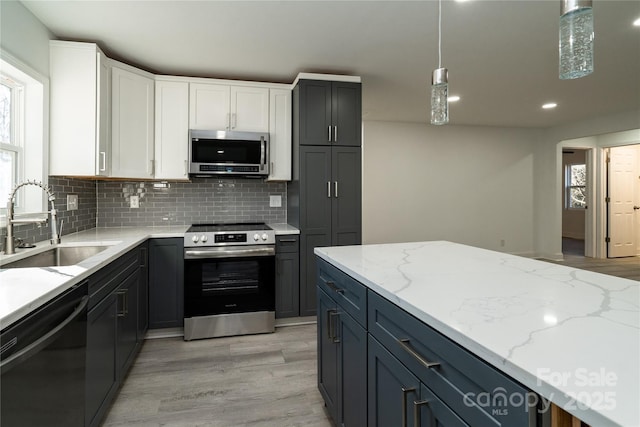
(234, 120)
(228, 120)
(122, 312)
(335, 188)
(335, 134)
(330, 323)
(405, 392)
(143, 255)
(417, 416)
(287, 240)
(405, 343)
(329, 189)
(103, 162)
(334, 334)
(329, 133)
(152, 167)
(185, 168)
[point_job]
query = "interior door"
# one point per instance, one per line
(622, 174)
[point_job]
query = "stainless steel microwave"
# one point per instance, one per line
(218, 152)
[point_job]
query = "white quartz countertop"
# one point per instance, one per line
(570, 335)
(22, 290)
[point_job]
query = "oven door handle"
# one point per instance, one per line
(228, 252)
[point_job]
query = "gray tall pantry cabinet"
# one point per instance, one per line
(325, 194)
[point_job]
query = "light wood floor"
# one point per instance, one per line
(573, 250)
(254, 380)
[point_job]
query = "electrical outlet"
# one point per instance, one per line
(134, 202)
(275, 201)
(72, 202)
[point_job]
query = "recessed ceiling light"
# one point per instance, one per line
(454, 98)
(549, 105)
(636, 23)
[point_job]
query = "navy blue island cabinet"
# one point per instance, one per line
(380, 366)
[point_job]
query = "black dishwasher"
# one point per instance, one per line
(42, 363)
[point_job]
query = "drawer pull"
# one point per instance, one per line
(405, 391)
(417, 421)
(334, 288)
(287, 240)
(405, 343)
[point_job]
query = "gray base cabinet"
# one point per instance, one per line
(342, 347)
(287, 276)
(116, 326)
(166, 279)
(410, 374)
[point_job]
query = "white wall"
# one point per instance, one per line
(468, 184)
(24, 36)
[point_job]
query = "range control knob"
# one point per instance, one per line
(203, 238)
(256, 237)
(264, 236)
(195, 239)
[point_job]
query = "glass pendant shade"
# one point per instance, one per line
(576, 39)
(439, 97)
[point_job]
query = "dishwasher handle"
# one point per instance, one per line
(46, 339)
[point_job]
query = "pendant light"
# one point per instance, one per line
(576, 39)
(439, 83)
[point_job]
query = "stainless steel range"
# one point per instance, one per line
(229, 280)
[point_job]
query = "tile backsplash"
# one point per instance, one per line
(80, 219)
(107, 204)
(182, 203)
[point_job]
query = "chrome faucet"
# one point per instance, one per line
(55, 237)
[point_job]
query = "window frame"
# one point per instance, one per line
(15, 144)
(32, 132)
(569, 186)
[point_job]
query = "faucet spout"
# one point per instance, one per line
(9, 247)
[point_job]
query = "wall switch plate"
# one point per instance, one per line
(72, 202)
(275, 201)
(134, 202)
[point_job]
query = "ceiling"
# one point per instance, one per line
(502, 56)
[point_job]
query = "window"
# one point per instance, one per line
(23, 136)
(11, 100)
(576, 186)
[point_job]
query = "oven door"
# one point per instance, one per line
(223, 280)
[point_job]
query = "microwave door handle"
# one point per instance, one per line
(262, 152)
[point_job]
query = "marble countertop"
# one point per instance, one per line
(570, 335)
(22, 290)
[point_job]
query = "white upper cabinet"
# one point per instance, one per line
(132, 119)
(172, 129)
(280, 135)
(79, 110)
(249, 109)
(224, 107)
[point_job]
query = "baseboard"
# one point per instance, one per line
(164, 333)
(296, 321)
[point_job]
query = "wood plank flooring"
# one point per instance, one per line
(628, 268)
(254, 380)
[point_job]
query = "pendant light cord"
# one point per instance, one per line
(439, 33)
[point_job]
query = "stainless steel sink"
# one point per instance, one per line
(58, 256)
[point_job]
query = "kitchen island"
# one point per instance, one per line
(568, 335)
